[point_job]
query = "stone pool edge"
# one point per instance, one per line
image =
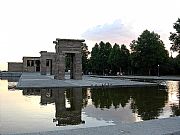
(165, 126)
(35, 80)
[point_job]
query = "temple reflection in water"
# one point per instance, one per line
(53, 108)
(68, 103)
(146, 103)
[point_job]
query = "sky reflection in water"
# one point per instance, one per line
(61, 109)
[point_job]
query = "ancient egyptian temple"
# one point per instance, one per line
(53, 63)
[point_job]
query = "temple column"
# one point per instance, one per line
(77, 66)
(60, 67)
(43, 63)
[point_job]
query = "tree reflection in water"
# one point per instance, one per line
(146, 102)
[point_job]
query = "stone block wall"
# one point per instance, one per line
(77, 66)
(31, 65)
(15, 66)
(49, 57)
(53, 63)
(68, 46)
(72, 47)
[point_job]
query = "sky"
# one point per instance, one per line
(30, 26)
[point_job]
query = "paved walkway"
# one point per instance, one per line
(10, 74)
(35, 80)
(168, 126)
(175, 78)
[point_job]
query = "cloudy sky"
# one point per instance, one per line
(29, 26)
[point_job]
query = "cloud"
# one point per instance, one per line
(114, 32)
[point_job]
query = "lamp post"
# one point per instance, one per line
(158, 70)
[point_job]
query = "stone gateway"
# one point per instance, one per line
(53, 63)
(72, 48)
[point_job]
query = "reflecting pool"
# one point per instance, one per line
(35, 110)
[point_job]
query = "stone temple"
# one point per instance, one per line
(53, 63)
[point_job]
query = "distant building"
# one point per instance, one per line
(31, 64)
(15, 66)
(53, 63)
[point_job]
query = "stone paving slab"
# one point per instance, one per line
(175, 78)
(10, 74)
(35, 80)
(28, 80)
(167, 126)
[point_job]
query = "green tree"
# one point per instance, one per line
(148, 52)
(85, 60)
(148, 103)
(133, 58)
(124, 58)
(67, 62)
(104, 51)
(177, 64)
(114, 58)
(99, 58)
(94, 60)
(175, 37)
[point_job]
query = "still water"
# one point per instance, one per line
(35, 110)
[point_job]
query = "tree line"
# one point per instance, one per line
(147, 56)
